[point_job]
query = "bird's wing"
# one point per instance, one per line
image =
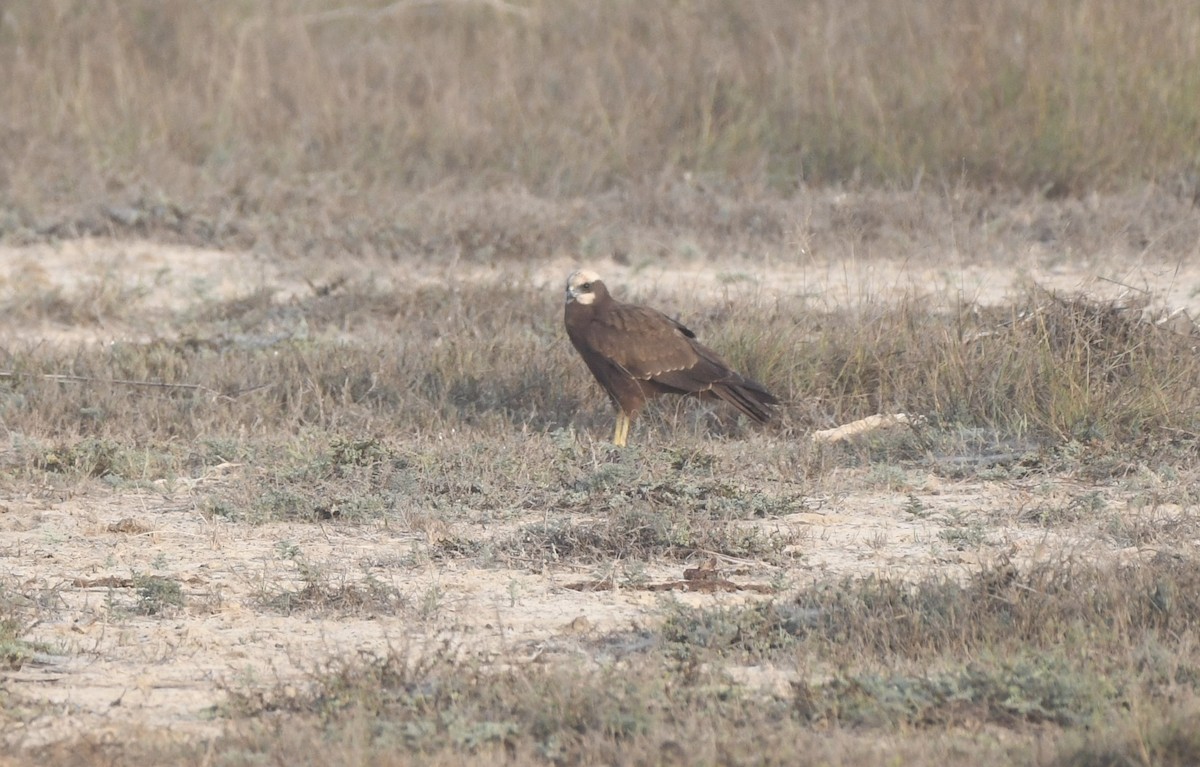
(653, 347)
(642, 341)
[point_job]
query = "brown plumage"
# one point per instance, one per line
(637, 353)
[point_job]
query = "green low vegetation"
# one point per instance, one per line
(1069, 645)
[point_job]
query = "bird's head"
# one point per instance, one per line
(583, 286)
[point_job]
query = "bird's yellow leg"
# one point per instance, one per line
(621, 432)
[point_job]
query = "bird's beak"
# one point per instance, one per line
(570, 295)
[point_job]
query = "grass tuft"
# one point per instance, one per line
(1014, 692)
(577, 97)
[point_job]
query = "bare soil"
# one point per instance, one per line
(113, 669)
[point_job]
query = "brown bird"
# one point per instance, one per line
(637, 353)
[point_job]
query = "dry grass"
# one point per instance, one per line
(1048, 371)
(350, 423)
(191, 120)
(436, 432)
(934, 672)
(469, 133)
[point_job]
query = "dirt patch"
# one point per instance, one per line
(115, 666)
(153, 608)
(128, 282)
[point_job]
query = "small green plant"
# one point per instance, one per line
(1033, 691)
(318, 592)
(431, 602)
(970, 536)
(15, 650)
(367, 451)
(913, 506)
(89, 457)
(157, 595)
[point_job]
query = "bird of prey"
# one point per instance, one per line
(637, 353)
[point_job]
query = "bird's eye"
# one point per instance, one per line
(586, 286)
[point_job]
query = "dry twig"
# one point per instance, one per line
(67, 378)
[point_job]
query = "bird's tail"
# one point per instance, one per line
(748, 396)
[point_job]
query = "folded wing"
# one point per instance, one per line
(665, 355)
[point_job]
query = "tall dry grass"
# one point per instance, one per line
(246, 99)
(471, 358)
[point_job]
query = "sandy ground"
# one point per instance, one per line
(114, 669)
(179, 277)
(117, 668)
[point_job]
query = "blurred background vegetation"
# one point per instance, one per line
(264, 102)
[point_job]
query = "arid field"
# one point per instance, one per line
(300, 468)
